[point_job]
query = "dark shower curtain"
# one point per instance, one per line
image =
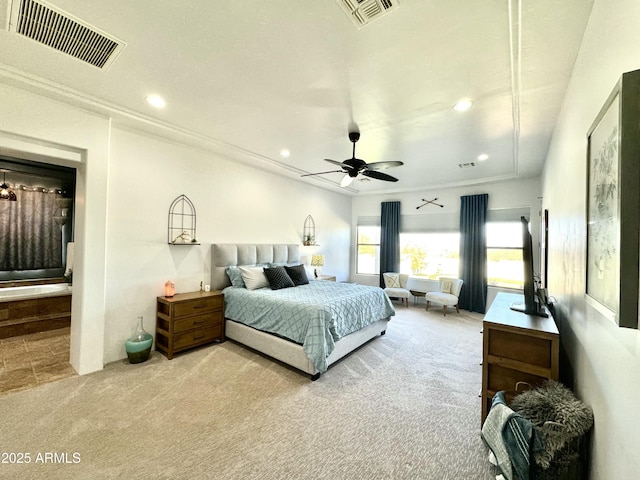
(30, 239)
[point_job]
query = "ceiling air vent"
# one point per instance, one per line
(46, 24)
(363, 12)
(467, 165)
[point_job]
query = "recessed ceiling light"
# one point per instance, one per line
(155, 101)
(285, 153)
(463, 105)
(483, 157)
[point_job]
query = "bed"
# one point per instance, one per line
(309, 327)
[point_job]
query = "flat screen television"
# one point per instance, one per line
(531, 306)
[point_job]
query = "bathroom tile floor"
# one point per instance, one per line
(31, 360)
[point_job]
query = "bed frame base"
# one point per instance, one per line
(293, 354)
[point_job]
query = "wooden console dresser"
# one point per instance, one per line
(189, 320)
(516, 348)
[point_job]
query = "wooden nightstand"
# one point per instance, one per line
(189, 320)
(328, 278)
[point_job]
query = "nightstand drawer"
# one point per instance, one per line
(196, 337)
(198, 306)
(197, 321)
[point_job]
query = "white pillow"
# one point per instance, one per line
(392, 280)
(254, 277)
(445, 286)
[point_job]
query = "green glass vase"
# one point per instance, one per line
(138, 346)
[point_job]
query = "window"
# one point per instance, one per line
(504, 255)
(430, 254)
(368, 261)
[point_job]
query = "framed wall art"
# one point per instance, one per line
(544, 248)
(613, 204)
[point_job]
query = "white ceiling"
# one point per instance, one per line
(253, 77)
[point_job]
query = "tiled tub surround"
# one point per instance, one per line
(31, 309)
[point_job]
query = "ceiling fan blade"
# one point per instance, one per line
(379, 176)
(383, 165)
(346, 180)
(322, 173)
(340, 164)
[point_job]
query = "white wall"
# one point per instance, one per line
(233, 202)
(508, 194)
(126, 183)
(604, 359)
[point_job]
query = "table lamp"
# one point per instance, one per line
(317, 261)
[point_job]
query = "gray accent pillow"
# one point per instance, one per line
(298, 274)
(235, 276)
(278, 278)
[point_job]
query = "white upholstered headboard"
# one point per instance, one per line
(226, 254)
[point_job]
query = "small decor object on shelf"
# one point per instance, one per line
(317, 261)
(182, 238)
(138, 346)
(169, 289)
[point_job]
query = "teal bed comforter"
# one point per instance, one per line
(315, 315)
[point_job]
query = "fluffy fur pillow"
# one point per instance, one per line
(553, 402)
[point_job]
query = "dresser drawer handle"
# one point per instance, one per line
(195, 322)
(199, 306)
(198, 337)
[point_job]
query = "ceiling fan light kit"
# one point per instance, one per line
(346, 180)
(353, 166)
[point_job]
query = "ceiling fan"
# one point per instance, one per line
(353, 166)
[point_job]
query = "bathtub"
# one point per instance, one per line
(36, 308)
(34, 291)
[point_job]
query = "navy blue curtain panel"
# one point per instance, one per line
(473, 252)
(389, 238)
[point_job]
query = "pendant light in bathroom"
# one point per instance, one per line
(5, 193)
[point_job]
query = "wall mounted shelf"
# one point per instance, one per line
(182, 222)
(309, 232)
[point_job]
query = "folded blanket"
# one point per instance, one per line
(511, 438)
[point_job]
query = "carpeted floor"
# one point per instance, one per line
(404, 406)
